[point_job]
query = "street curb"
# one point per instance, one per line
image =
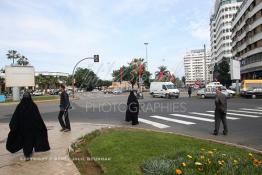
(210, 140)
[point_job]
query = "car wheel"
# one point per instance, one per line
(153, 95)
(254, 96)
(202, 96)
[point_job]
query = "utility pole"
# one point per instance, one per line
(205, 77)
(146, 44)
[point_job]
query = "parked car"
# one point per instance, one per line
(54, 92)
(231, 92)
(95, 91)
(117, 91)
(164, 89)
(210, 93)
(38, 93)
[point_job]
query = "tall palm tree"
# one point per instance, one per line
(12, 55)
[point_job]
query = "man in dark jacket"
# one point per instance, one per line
(220, 111)
(64, 106)
(189, 91)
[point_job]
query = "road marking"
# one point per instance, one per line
(242, 115)
(212, 115)
(173, 120)
(158, 125)
(248, 112)
(246, 109)
(192, 117)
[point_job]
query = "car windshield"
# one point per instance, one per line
(170, 86)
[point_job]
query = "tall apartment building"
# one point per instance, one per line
(220, 29)
(247, 39)
(194, 66)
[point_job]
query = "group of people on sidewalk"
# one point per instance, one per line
(28, 130)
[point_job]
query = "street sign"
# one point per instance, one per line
(96, 58)
(235, 69)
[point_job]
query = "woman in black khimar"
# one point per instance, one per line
(132, 109)
(27, 129)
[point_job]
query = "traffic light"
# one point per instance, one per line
(96, 58)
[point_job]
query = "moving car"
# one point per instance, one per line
(210, 93)
(251, 88)
(164, 89)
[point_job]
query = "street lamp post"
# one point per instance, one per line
(95, 58)
(205, 77)
(146, 44)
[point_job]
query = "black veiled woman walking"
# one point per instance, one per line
(27, 129)
(132, 109)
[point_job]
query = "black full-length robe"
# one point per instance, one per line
(132, 109)
(27, 129)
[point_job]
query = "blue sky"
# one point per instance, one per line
(54, 35)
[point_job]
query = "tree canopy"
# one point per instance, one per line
(14, 55)
(131, 72)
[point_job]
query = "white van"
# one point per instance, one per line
(213, 85)
(164, 89)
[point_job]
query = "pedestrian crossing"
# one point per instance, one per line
(194, 118)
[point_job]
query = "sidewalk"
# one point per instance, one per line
(55, 161)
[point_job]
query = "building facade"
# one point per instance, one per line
(195, 70)
(220, 30)
(247, 39)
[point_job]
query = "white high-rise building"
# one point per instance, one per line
(247, 39)
(195, 70)
(221, 29)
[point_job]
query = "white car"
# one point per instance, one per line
(117, 91)
(164, 89)
(230, 92)
(210, 93)
(38, 93)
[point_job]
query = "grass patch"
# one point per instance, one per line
(129, 150)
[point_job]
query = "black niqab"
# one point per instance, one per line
(132, 108)
(27, 128)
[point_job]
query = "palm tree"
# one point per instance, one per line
(23, 61)
(12, 55)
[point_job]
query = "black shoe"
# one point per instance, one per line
(61, 130)
(215, 133)
(224, 133)
(27, 157)
(135, 123)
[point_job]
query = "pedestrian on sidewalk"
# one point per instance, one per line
(64, 107)
(132, 109)
(27, 129)
(189, 91)
(220, 111)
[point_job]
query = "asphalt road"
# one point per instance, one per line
(189, 116)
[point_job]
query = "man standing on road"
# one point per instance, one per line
(220, 111)
(189, 91)
(64, 106)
